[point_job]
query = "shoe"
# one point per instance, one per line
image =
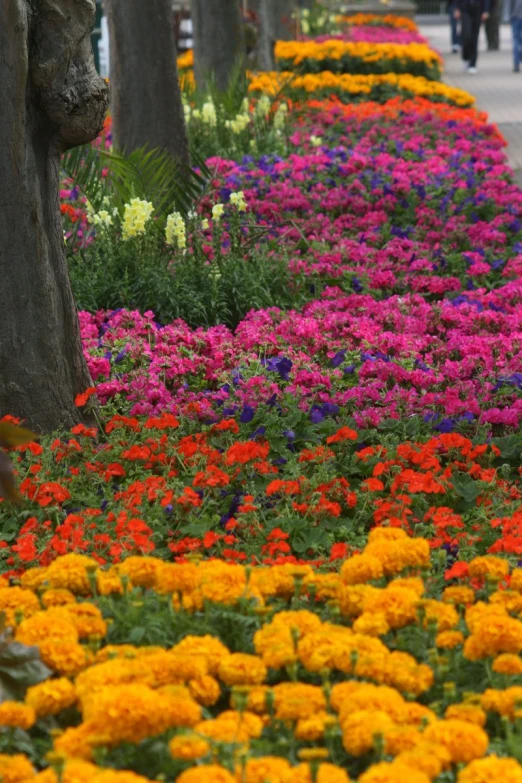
(471, 70)
(465, 66)
(516, 70)
(455, 49)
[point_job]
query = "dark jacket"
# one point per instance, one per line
(473, 6)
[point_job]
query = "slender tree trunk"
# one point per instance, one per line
(145, 96)
(267, 36)
(51, 99)
(219, 40)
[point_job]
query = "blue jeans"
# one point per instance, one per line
(454, 27)
(516, 26)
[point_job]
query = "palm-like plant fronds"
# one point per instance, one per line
(152, 175)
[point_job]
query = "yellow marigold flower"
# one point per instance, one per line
(15, 769)
(414, 583)
(302, 621)
(325, 585)
(504, 702)
(509, 599)
(489, 567)
(130, 713)
(75, 771)
(188, 747)
(46, 626)
(58, 598)
(205, 690)
(386, 534)
(465, 741)
(361, 568)
(397, 604)
(176, 577)
(401, 671)
(75, 743)
(342, 691)
(353, 597)
(275, 644)
(295, 700)
(207, 773)
(114, 672)
(266, 768)
(109, 581)
(416, 714)
(448, 640)
(256, 699)
(401, 739)
(169, 667)
(86, 618)
(71, 572)
(327, 773)
(371, 624)
(491, 769)
(507, 664)
(32, 579)
(376, 698)
(459, 595)
(397, 555)
(141, 571)
(64, 657)
(51, 697)
(478, 615)
(361, 728)
(231, 726)
(443, 616)
(16, 715)
(242, 669)
(394, 772)
(318, 650)
(466, 712)
(426, 757)
(515, 582)
(208, 647)
(499, 635)
(312, 728)
(17, 601)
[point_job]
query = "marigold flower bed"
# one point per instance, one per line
(214, 672)
(358, 57)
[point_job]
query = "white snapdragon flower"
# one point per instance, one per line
(135, 217)
(176, 231)
(239, 201)
(217, 212)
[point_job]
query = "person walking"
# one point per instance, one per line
(515, 13)
(454, 26)
(472, 13)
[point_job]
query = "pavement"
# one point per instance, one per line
(497, 89)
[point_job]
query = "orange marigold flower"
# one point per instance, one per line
(465, 741)
(242, 669)
(206, 773)
(491, 769)
(16, 715)
(489, 567)
(507, 663)
(51, 697)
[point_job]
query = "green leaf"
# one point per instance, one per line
(20, 667)
(467, 488)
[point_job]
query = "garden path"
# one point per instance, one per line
(498, 90)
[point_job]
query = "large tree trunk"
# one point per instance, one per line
(277, 22)
(219, 40)
(145, 96)
(51, 99)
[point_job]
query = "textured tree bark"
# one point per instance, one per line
(52, 99)
(145, 96)
(219, 40)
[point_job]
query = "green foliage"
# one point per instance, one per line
(152, 175)
(230, 124)
(144, 273)
(20, 667)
